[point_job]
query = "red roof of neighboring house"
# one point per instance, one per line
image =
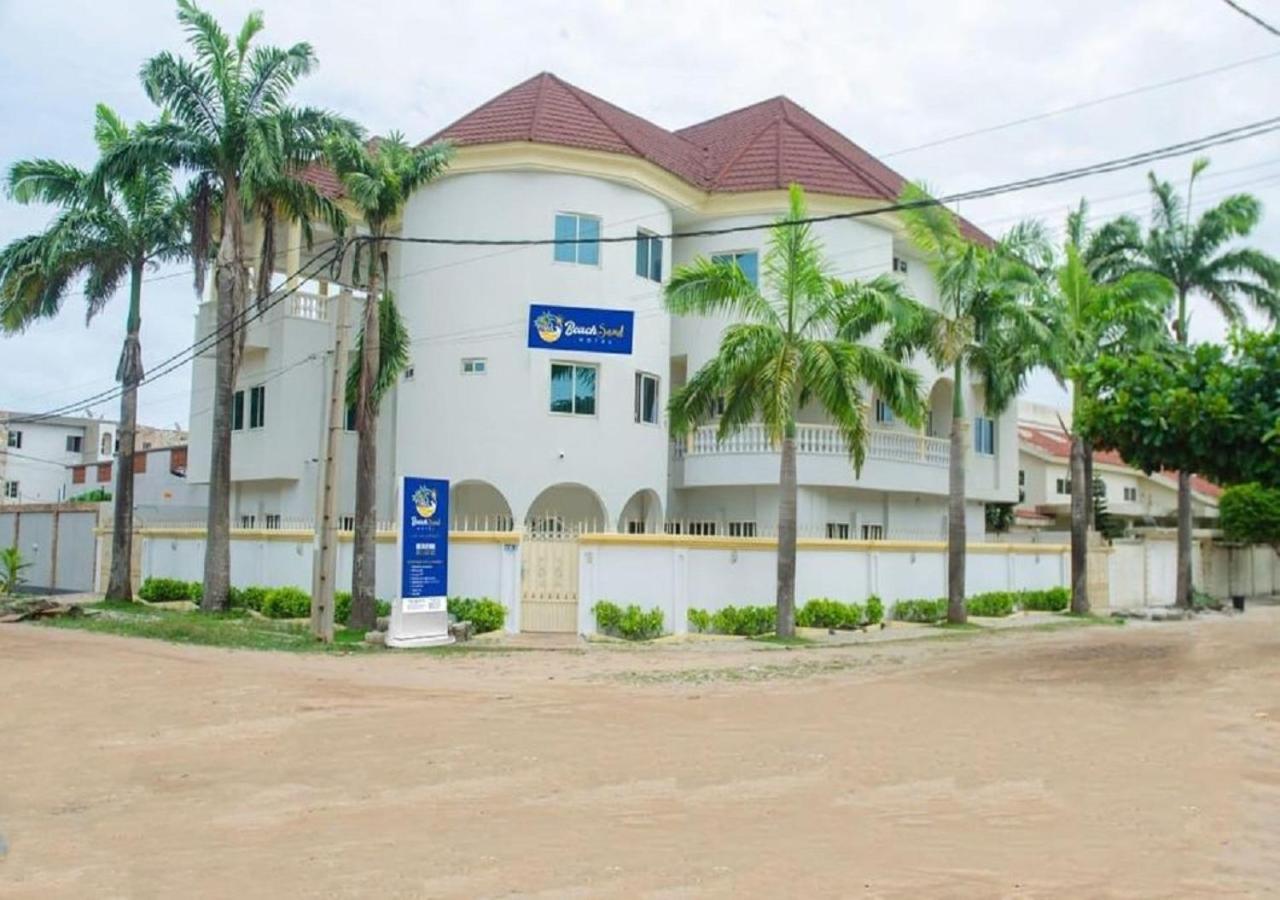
(1054, 442)
(323, 179)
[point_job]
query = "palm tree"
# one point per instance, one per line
(985, 326)
(1199, 257)
(229, 123)
(378, 178)
(1095, 308)
(782, 353)
(105, 236)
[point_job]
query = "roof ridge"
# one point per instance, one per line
(578, 94)
(732, 112)
(714, 179)
(485, 105)
(538, 101)
(804, 128)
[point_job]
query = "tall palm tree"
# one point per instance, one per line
(1200, 257)
(378, 177)
(1094, 309)
(985, 326)
(229, 123)
(105, 236)
(782, 352)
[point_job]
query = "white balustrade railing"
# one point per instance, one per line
(308, 306)
(819, 440)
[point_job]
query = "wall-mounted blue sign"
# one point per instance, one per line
(424, 541)
(580, 328)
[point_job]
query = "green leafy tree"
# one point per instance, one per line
(106, 236)
(999, 516)
(378, 177)
(986, 328)
(229, 123)
(1095, 308)
(1201, 257)
(780, 352)
(1250, 513)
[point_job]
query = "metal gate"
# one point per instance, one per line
(549, 581)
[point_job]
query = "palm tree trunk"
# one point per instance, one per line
(129, 373)
(786, 596)
(956, 532)
(1080, 513)
(364, 609)
(230, 280)
(1184, 584)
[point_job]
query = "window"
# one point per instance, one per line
(248, 521)
(273, 521)
(77, 474)
(873, 532)
(105, 445)
(742, 529)
(984, 435)
(747, 260)
(1022, 485)
(646, 398)
(74, 443)
(349, 421)
(884, 415)
(648, 255)
(11, 490)
(1131, 495)
(15, 440)
(573, 389)
(257, 406)
(837, 531)
(346, 523)
(104, 472)
(571, 227)
(237, 411)
(408, 373)
(900, 265)
(475, 365)
(1064, 486)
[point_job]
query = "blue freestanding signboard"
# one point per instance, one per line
(580, 328)
(420, 618)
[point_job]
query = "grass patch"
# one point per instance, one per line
(779, 640)
(960, 626)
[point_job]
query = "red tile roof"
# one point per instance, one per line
(1054, 442)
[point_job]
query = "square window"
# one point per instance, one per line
(237, 411)
(573, 389)
(475, 365)
(15, 440)
(11, 490)
(1131, 494)
(746, 260)
(257, 406)
(648, 255)
(1064, 486)
(646, 405)
(577, 239)
(74, 443)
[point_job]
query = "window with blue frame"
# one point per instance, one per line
(747, 260)
(648, 255)
(984, 435)
(577, 239)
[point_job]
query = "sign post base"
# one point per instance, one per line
(407, 642)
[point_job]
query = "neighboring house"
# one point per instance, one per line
(161, 490)
(150, 438)
(540, 374)
(1045, 486)
(35, 451)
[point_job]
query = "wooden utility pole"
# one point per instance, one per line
(325, 552)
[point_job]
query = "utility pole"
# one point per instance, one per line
(325, 549)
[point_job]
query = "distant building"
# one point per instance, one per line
(161, 491)
(35, 453)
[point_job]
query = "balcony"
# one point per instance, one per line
(896, 460)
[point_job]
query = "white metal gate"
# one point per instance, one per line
(549, 581)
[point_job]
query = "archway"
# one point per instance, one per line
(938, 418)
(566, 507)
(642, 514)
(478, 506)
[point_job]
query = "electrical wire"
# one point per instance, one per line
(1256, 19)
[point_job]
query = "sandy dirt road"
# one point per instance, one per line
(1099, 762)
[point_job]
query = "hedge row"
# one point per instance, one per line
(631, 623)
(823, 612)
(994, 604)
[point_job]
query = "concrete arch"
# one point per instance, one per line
(641, 514)
(938, 415)
(567, 506)
(476, 505)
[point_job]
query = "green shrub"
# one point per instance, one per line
(875, 610)
(286, 603)
(341, 606)
(993, 604)
(483, 613)
(632, 623)
(167, 590)
(1054, 599)
(920, 610)
(1250, 513)
(822, 612)
(745, 621)
(699, 620)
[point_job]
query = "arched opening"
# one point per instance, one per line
(642, 514)
(478, 506)
(938, 418)
(566, 507)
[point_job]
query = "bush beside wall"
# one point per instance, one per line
(483, 613)
(632, 623)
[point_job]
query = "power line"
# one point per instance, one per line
(1257, 20)
(1084, 104)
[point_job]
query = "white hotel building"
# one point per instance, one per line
(496, 416)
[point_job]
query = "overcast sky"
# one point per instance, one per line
(890, 75)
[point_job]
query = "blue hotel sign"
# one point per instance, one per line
(424, 543)
(580, 328)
